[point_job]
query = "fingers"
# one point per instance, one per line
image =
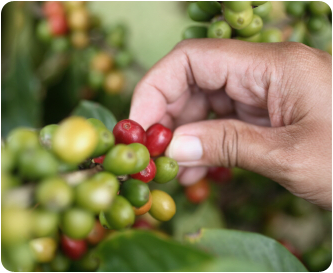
(210, 65)
(190, 176)
(228, 143)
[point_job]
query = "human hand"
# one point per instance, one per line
(273, 101)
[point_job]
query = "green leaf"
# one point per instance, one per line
(190, 218)
(228, 265)
(89, 109)
(145, 251)
(247, 246)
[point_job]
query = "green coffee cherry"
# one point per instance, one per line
(64, 167)
(15, 225)
(37, 164)
(89, 262)
(195, 32)
(60, 44)
(21, 139)
(97, 195)
(166, 169)
(136, 192)
(253, 28)
(60, 263)
(46, 135)
(219, 29)
(116, 37)
(121, 214)
(197, 14)
(238, 20)
(271, 35)
(210, 7)
(319, 8)
(96, 123)
(20, 258)
(295, 8)
(316, 23)
(258, 3)
(123, 59)
(7, 160)
(105, 141)
(54, 194)
(237, 6)
(95, 79)
(45, 223)
(43, 31)
(103, 221)
(77, 223)
(43, 249)
(256, 38)
(120, 160)
(263, 10)
(142, 155)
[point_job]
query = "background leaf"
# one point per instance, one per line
(247, 246)
(145, 251)
(89, 109)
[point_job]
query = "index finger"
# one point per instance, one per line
(208, 63)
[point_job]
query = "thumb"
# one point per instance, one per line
(227, 143)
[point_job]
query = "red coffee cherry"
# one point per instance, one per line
(74, 249)
(51, 8)
(142, 224)
(97, 234)
(158, 139)
(128, 131)
(219, 174)
(198, 192)
(99, 159)
(147, 174)
(58, 25)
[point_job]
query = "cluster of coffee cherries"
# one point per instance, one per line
(69, 25)
(242, 20)
(68, 185)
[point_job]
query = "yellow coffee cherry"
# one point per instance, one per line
(78, 19)
(43, 249)
(163, 207)
(114, 82)
(102, 62)
(74, 140)
(79, 39)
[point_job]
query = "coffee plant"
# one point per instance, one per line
(84, 188)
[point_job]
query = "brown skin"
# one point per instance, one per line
(274, 102)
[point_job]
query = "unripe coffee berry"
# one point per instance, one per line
(142, 155)
(120, 160)
(147, 174)
(166, 169)
(136, 192)
(128, 131)
(163, 207)
(145, 208)
(158, 139)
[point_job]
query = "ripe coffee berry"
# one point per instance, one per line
(158, 139)
(128, 131)
(219, 174)
(99, 159)
(198, 192)
(74, 249)
(51, 8)
(147, 174)
(58, 25)
(142, 224)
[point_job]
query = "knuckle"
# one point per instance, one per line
(228, 143)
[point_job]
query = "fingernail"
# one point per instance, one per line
(185, 148)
